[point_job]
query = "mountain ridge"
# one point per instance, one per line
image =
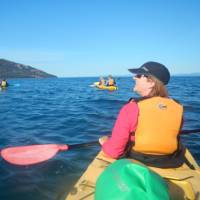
(10, 69)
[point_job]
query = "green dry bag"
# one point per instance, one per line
(126, 180)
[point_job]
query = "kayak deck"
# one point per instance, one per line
(183, 182)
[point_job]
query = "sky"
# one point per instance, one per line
(72, 38)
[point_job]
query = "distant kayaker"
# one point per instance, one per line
(4, 84)
(147, 129)
(102, 81)
(110, 81)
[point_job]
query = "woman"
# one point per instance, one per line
(110, 81)
(152, 123)
(4, 83)
(102, 81)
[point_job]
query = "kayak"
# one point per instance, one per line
(183, 182)
(104, 87)
(2, 88)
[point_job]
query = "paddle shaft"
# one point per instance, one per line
(92, 143)
(87, 144)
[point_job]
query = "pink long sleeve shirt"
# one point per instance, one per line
(125, 124)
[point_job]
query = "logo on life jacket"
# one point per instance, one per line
(162, 106)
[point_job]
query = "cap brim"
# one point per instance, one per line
(138, 71)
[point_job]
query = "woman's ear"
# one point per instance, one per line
(151, 83)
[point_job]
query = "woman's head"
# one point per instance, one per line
(149, 86)
(101, 78)
(150, 79)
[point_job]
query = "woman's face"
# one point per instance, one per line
(143, 85)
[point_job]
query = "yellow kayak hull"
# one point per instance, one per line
(104, 87)
(183, 182)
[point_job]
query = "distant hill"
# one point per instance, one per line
(9, 69)
(190, 74)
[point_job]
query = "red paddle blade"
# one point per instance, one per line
(33, 154)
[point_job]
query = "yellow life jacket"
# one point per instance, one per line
(111, 82)
(102, 82)
(159, 123)
(3, 84)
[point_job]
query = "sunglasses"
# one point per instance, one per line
(141, 75)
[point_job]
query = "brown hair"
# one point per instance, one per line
(159, 88)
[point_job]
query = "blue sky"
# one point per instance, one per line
(100, 37)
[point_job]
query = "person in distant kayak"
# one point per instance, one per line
(147, 129)
(4, 83)
(110, 81)
(102, 81)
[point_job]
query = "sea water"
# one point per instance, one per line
(68, 111)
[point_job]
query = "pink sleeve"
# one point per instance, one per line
(125, 124)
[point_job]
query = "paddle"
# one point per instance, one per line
(92, 85)
(33, 154)
(95, 84)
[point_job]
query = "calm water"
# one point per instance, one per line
(67, 110)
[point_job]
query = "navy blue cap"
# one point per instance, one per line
(155, 69)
